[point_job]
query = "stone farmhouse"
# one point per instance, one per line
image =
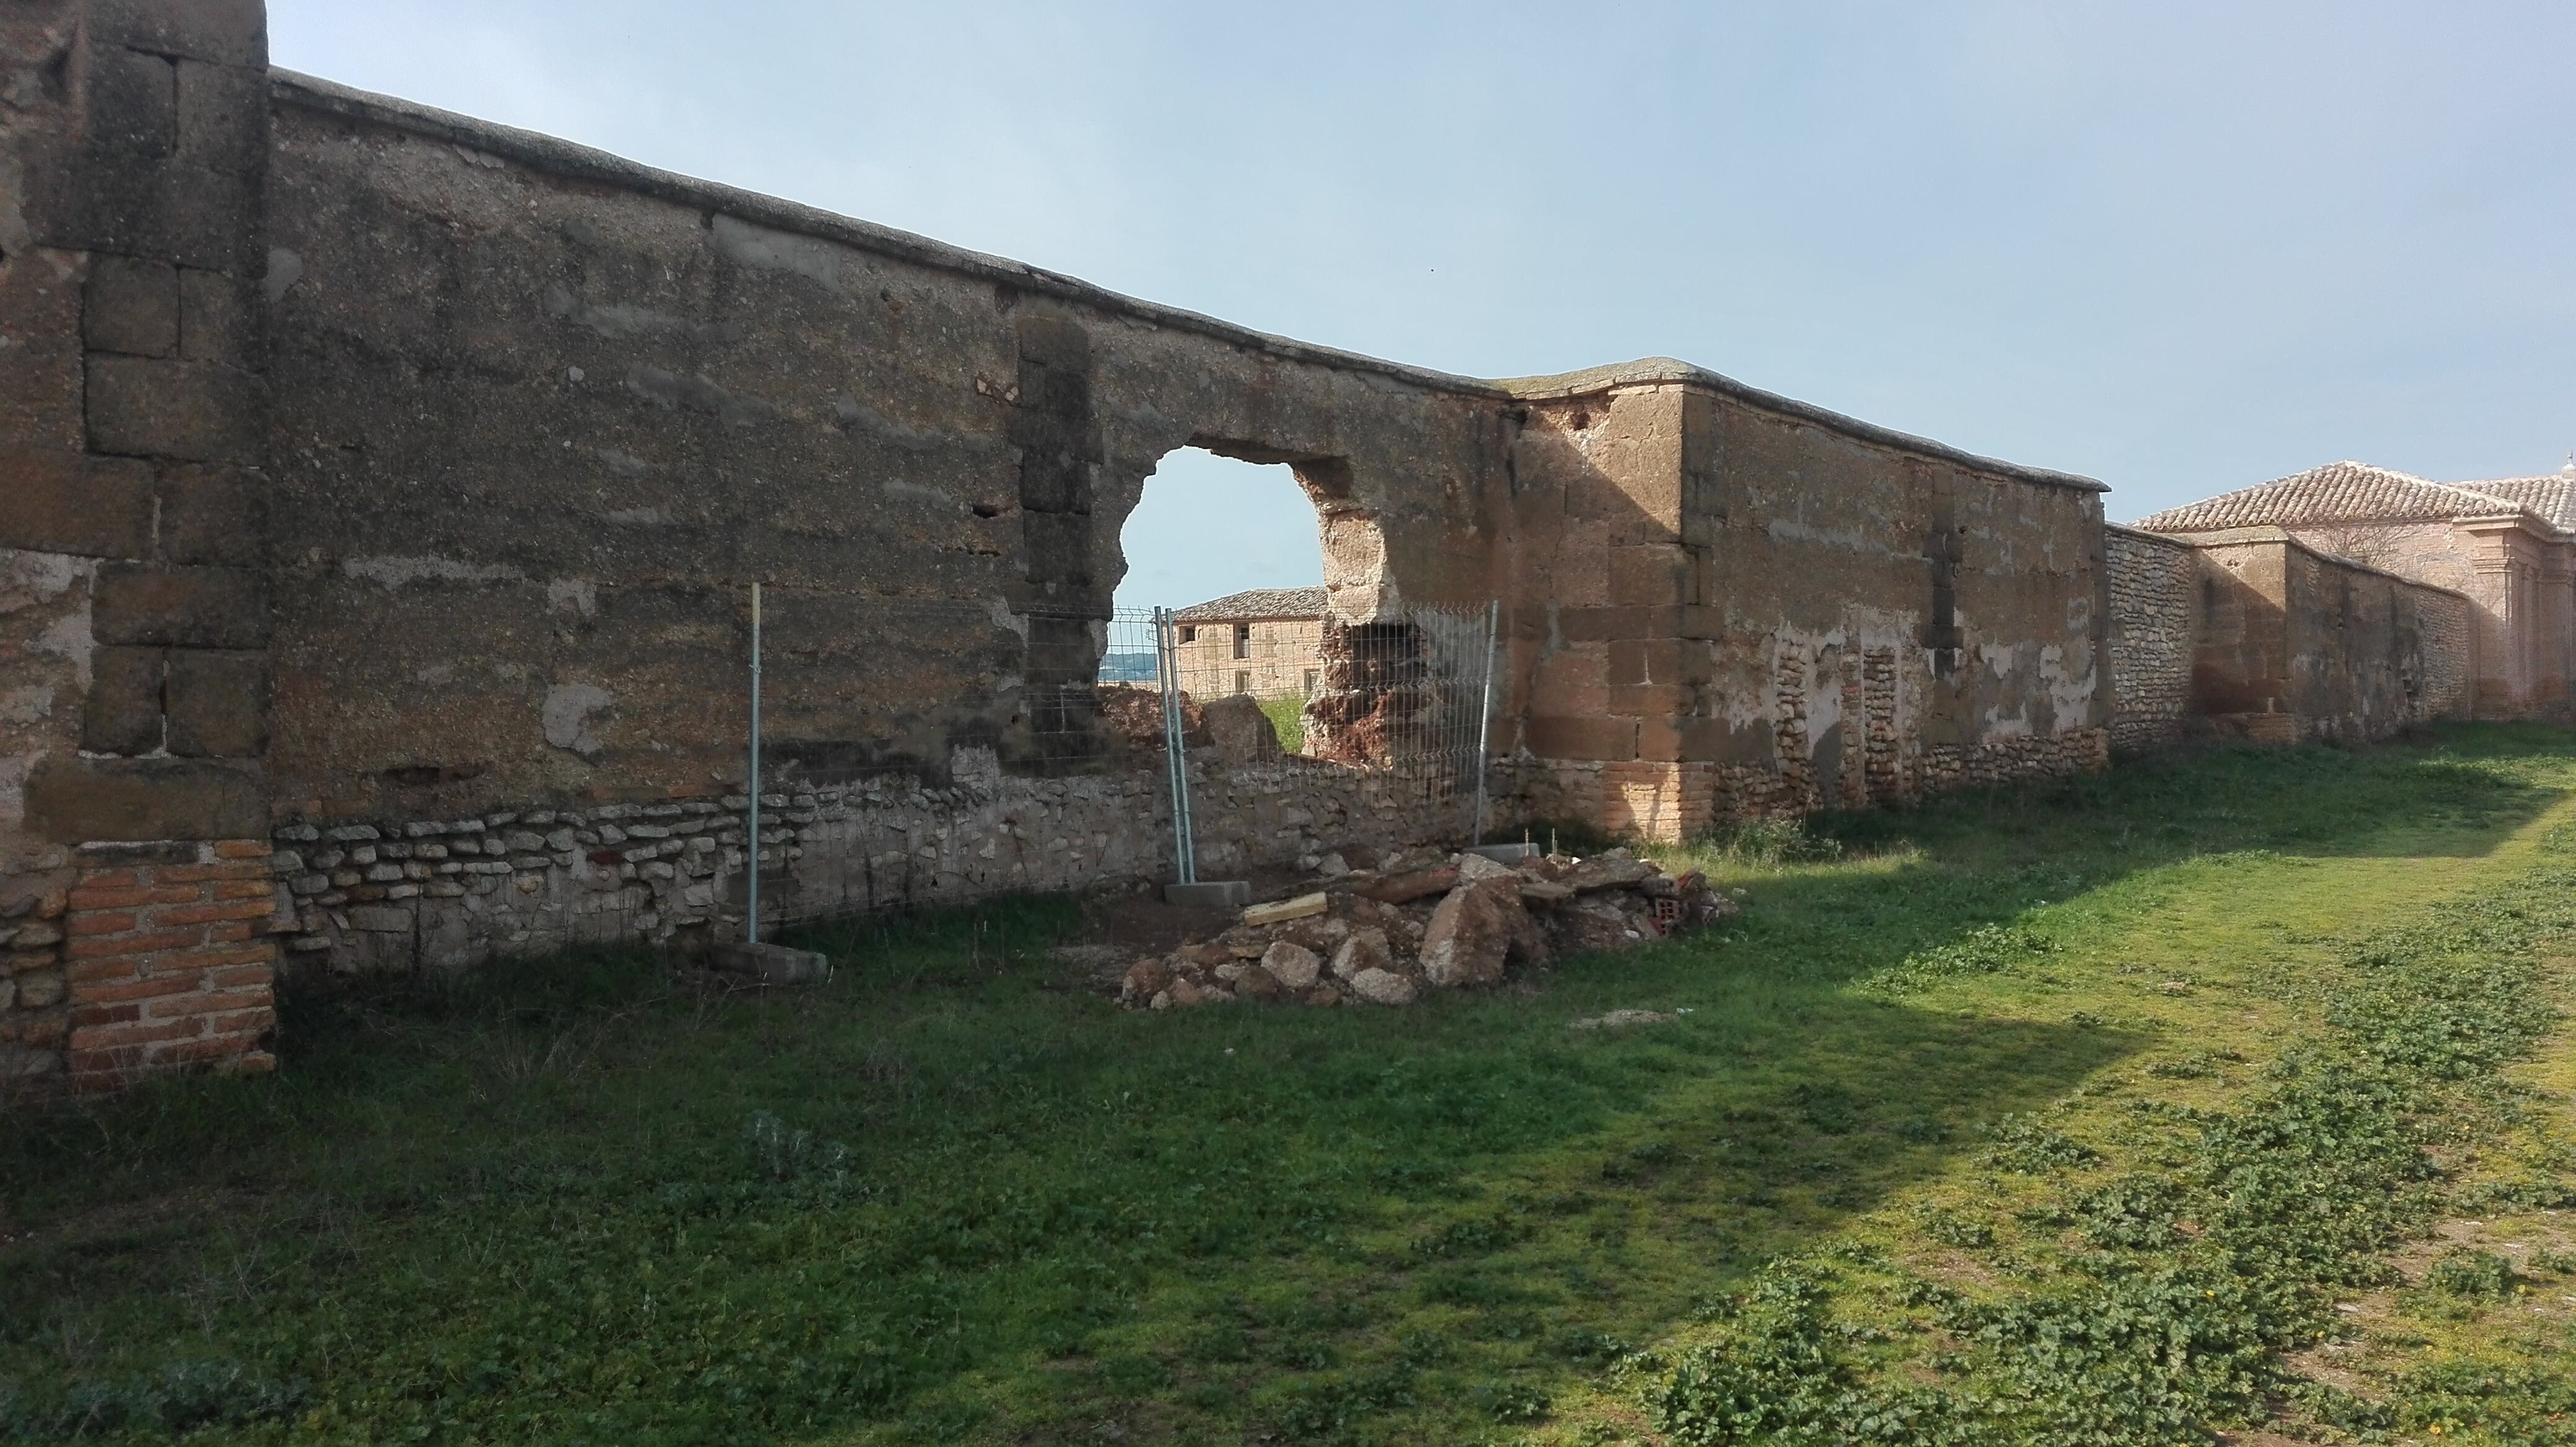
(2506, 544)
(381, 491)
(1267, 642)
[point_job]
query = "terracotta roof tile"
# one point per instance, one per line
(2335, 493)
(1256, 603)
(2552, 497)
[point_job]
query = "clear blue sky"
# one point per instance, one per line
(2178, 247)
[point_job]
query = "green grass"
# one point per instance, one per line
(1287, 714)
(2226, 1089)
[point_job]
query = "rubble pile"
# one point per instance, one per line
(1381, 930)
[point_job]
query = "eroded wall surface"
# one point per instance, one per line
(1724, 608)
(2293, 644)
(398, 481)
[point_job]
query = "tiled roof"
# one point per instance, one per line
(1256, 603)
(2339, 492)
(2552, 497)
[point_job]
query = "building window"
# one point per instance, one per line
(1243, 640)
(1189, 634)
(1243, 683)
(1311, 676)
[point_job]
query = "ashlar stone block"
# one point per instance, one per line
(131, 306)
(218, 704)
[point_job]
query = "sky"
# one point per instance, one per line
(2177, 247)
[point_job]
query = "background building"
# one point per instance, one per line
(1266, 642)
(2508, 545)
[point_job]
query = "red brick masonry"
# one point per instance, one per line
(167, 960)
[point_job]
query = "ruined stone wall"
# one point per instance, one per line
(2155, 589)
(1727, 609)
(386, 486)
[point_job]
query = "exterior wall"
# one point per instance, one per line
(373, 469)
(2152, 636)
(390, 894)
(2522, 646)
(1725, 610)
(2296, 645)
(1282, 657)
(133, 630)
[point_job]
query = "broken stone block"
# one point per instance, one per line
(1292, 965)
(1471, 933)
(1241, 732)
(1257, 983)
(1382, 987)
(1144, 980)
(1366, 949)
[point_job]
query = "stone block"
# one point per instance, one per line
(229, 32)
(1645, 660)
(1583, 738)
(151, 206)
(62, 502)
(223, 118)
(165, 407)
(40, 369)
(178, 607)
(211, 515)
(133, 102)
(1651, 576)
(131, 305)
(78, 800)
(1059, 546)
(123, 714)
(218, 704)
(218, 323)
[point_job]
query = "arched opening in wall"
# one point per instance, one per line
(1285, 624)
(1234, 550)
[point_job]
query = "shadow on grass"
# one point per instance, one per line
(564, 1195)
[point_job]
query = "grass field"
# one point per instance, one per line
(2228, 1092)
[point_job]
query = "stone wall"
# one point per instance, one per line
(374, 468)
(133, 625)
(445, 893)
(2155, 603)
(2293, 644)
(1733, 609)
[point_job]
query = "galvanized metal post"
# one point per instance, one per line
(1485, 714)
(1167, 659)
(751, 841)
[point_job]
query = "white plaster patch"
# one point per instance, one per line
(69, 638)
(567, 715)
(30, 578)
(758, 246)
(26, 705)
(397, 572)
(284, 269)
(573, 595)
